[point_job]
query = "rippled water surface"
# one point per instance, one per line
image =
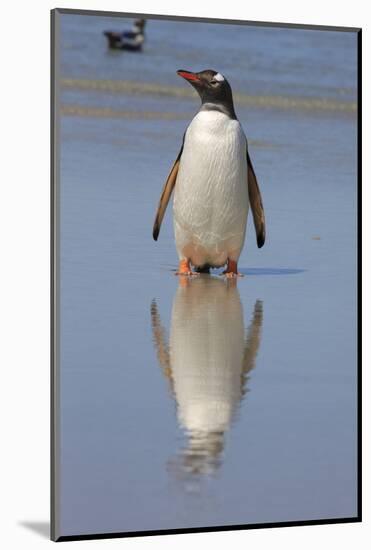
(206, 402)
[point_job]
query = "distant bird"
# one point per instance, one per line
(130, 40)
(214, 183)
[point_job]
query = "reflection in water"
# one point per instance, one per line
(207, 362)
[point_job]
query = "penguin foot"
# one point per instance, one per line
(185, 269)
(231, 271)
(231, 274)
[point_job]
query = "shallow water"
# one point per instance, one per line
(201, 403)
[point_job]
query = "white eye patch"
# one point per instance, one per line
(219, 77)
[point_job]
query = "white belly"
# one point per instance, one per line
(211, 194)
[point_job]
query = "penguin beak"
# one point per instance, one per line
(187, 75)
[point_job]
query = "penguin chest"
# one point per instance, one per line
(211, 194)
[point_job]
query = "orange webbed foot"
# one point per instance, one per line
(231, 271)
(185, 269)
(231, 274)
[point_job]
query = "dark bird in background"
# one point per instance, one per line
(130, 40)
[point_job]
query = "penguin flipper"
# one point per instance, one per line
(256, 203)
(165, 196)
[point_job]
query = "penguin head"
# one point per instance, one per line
(211, 86)
(139, 24)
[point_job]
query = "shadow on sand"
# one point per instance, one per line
(258, 271)
(270, 271)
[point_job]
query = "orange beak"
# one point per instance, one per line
(187, 75)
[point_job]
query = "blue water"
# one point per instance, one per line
(206, 403)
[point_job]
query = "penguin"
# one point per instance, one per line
(207, 361)
(130, 40)
(214, 182)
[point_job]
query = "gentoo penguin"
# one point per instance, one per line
(214, 183)
(207, 361)
(130, 40)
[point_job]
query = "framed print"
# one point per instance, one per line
(206, 200)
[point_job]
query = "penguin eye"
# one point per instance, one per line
(214, 82)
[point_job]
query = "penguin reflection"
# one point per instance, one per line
(207, 362)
